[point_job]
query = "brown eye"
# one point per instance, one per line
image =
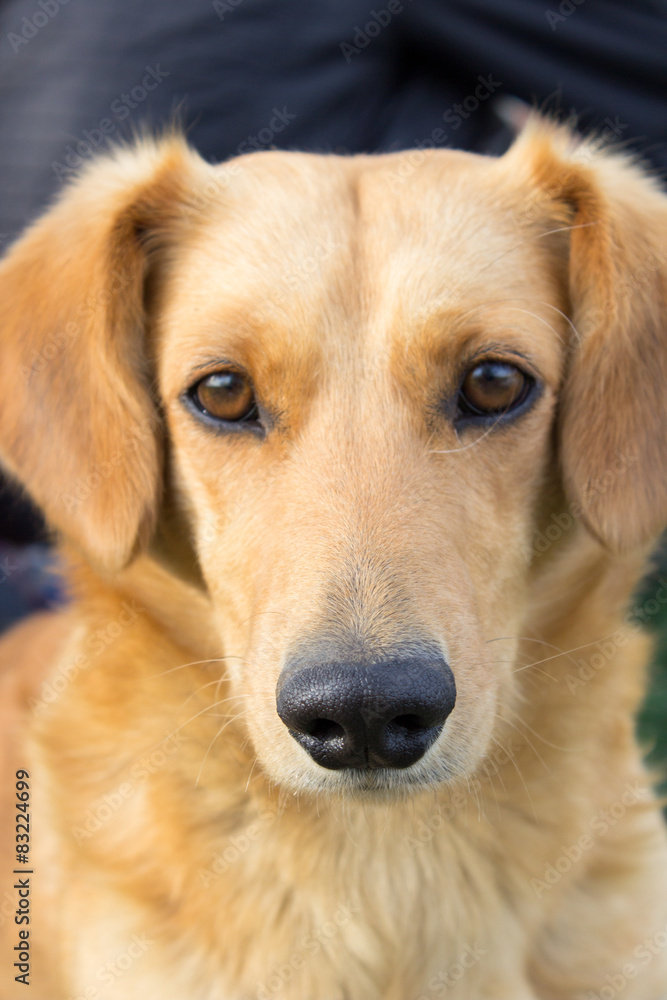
(225, 396)
(493, 387)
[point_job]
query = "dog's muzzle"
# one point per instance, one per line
(384, 714)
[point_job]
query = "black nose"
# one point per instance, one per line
(385, 714)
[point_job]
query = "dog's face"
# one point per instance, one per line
(359, 393)
(359, 378)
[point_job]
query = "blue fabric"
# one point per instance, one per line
(29, 581)
(345, 75)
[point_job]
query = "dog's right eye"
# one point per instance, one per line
(226, 396)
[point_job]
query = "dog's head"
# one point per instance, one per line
(368, 379)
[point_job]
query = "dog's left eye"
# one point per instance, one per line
(493, 388)
(226, 396)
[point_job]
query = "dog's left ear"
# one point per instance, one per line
(78, 426)
(613, 412)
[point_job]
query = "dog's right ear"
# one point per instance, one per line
(78, 426)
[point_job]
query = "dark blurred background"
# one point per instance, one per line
(332, 75)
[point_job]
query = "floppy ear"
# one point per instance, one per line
(613, 415)
(78, 427)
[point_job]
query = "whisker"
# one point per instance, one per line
(525, 737)
(540, 319)
(532, 239)
(252, 768)
(202, 687)
(496, 768)
(257, 614)
(566, 653)
(476, 794)
(539, 736)
(225, 715)
(522, 638)
(542, 642)
(191, 719)
(517, 669)
(465, 447)
(219, 733)
(195, 663)
(520, 775)
(565, 317)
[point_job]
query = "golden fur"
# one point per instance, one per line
(183, 844)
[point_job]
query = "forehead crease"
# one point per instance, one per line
(291, 215)
(444, 243)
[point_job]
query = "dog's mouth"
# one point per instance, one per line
(378, 783)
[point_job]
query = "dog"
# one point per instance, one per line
(355, 463)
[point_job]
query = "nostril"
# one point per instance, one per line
(325, 730)
(408, 724)
(405, 739)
